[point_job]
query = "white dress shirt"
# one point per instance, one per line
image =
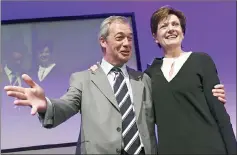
(44, 71)
(178, 63)
(112, 76)
(11, 75)
(106, 67)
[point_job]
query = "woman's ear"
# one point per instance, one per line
(154, 37)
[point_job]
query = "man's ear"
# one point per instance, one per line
(103, 42)
(154, 37)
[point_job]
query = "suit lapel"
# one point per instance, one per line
(137, 89)
(99, 78)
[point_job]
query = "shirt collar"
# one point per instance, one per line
(106, 66)
(50, 66)
(7, 70)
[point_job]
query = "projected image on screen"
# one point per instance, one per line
(45, 64)
(49, 52)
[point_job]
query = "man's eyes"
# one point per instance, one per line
(122, 37)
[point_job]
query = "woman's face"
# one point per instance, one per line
(169, 33)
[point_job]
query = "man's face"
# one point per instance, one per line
(118, 44)
(15, 61)
(44, 55)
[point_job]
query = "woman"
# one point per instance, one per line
(190, 119)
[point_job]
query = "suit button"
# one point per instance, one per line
(118, 129)
(118, 151)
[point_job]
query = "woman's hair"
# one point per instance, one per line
(163, 13)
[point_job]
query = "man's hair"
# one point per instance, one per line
(163, 13)
(105, 25)
(10, 46)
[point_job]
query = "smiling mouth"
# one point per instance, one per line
(44, 59)
(172, 37)
(125, 52)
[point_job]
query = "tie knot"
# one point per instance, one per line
(14, 75)
(116, 69)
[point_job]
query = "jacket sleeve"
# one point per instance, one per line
(60, 110)
(210, 79)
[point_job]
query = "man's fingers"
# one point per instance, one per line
(17, 95)
(93, 68)
(14, 88)
(222, 100)
(28, 80)
(218, 91)
(34, 110)
(218, 86)
(22, 103)
(219, 95)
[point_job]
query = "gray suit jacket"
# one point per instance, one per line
(91, 94)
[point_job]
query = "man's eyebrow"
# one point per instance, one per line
(121, 33)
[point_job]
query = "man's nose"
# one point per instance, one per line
(44, 54)
(125, 41)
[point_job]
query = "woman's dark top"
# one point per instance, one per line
(190, 119)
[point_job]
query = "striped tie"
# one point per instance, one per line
(14, 80)
(132, 144)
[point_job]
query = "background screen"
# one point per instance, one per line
(211, 28)
(69, 46)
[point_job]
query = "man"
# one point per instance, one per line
(114, 100)
(14, 53)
